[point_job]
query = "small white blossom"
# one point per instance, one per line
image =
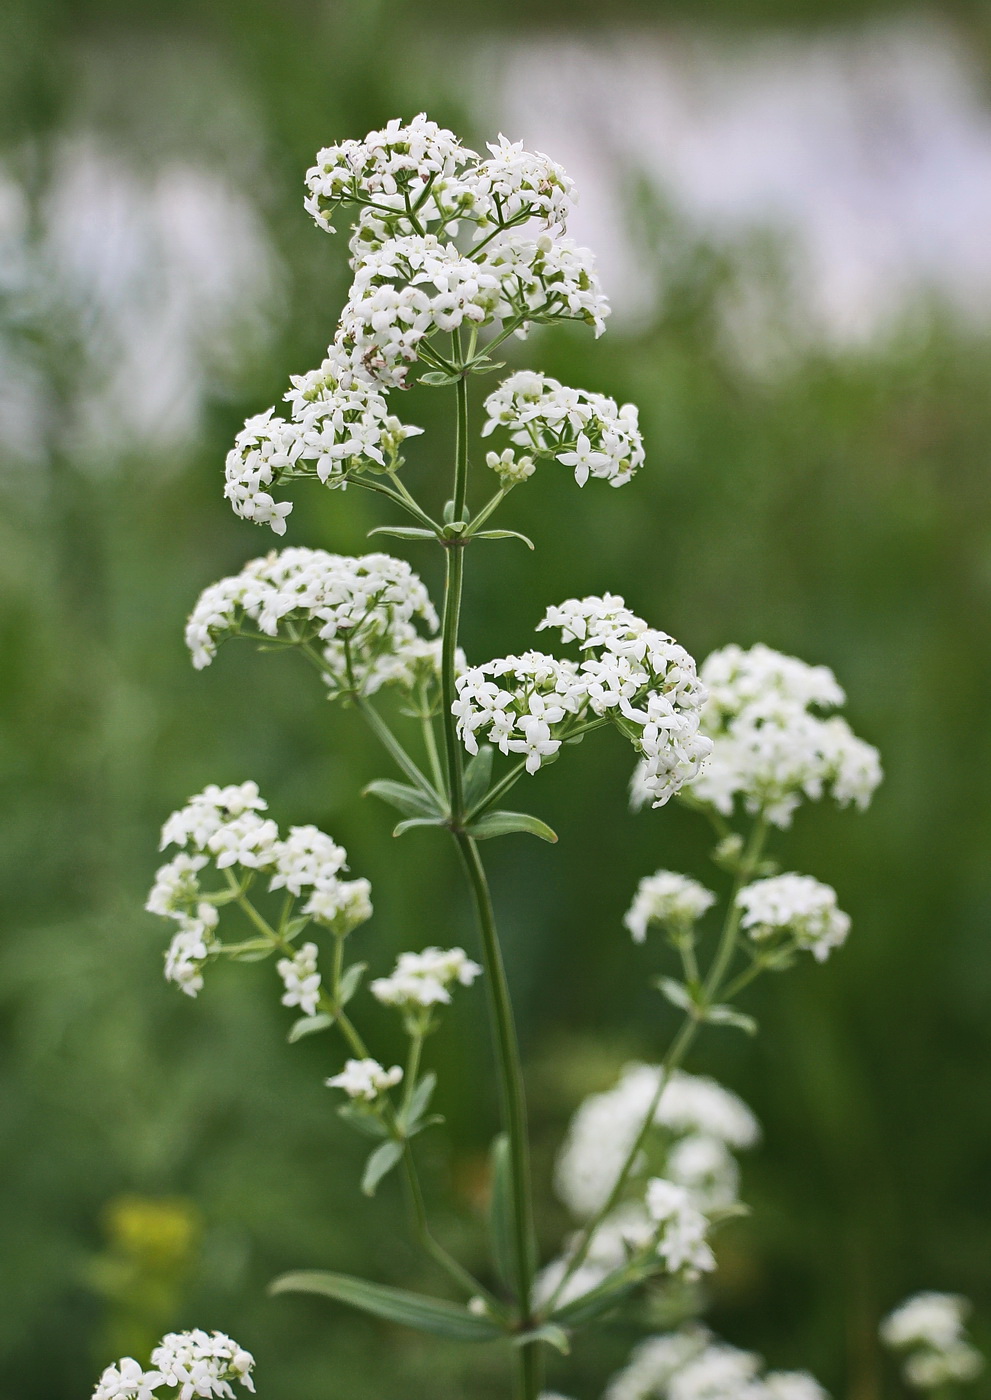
(797, 906)
(517, 183)
(190, 948)
(929, 1328)
(585, 431)
(340, 905)
(705, 1165)
(682, 1241)
(359, 612)
(793, 1385)
(301, 979)
(365, 1079)
(720, 1372)
(202, 1364)
(654, 1362)
(306, 858)
(510, 469)
(424, 979)
(176, 886)
(691, 1365)
(127, 1381)
(674, 901)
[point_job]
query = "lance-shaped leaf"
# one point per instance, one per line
(503, 535)
(501, 1212)
(309, 1025)
(350, 982)
(597, 1300)
(729, 1016)
(504, 823)
(411, 801)
(478, 775)
(550, 1333)
(409, 1118)
(379, 1164)
(402, 827)
(404, 532)
(393, 1304)
(363, 1120)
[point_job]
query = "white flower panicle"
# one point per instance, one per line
(515, 184)
(358, 611)
(365, 1079)
(340, 423)
(681, 1241)
(184, 1365)
(771, 749)
(929, 1329)
(585, 431)
(674, 901)
(224, 826)
(692, 1109)
(632, 674)
(797, 907)
(691, 1365)
(301, 979)
(425, 979)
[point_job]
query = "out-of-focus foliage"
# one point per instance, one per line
(837, 508)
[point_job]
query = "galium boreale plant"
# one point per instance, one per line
(452, 254)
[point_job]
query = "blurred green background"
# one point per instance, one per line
(163, 1159)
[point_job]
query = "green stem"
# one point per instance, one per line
(383, 733)
(403, 499)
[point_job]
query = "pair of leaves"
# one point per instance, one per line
(410, 1120)
(686, 999)
(394, 1305)
(419, 808)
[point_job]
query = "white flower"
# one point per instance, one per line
(681, 1244)
(793, 1385)
(797, 906)
(301, 979)
(770, 748)
(930, 1328)
(691, 1365)
(666, 898)
(201, 1364)
(190, 948)
(307, 857)
(705, 1165)
(720, 1372)
(510, 469)
(358, 612)
(516, 182)
(208, 811)
(654, 1362)
(365, 1079)
(127, 1381)
(588, 432)
(176, 886)
(341, 905)
(248, 840)
(424, 979)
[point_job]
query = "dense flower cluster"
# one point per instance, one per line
(632, 674)
(795, 908)
(184, 1365)
(225, 827)
(425, 979)
(692, 1365)
(340, 423)
(770, 747)
(674, 901)
(692, 1109)
(681, 1241)
(359, 611)
(365, 1079)
(928, 1329)
(588, 432)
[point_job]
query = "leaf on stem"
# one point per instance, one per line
(501, 1211)
(598, 1300)
(393, 1304)
(255, 950)
(411, 801)
(409, 1119)
(350, 982)
(729, 1016)
(439, 377)
(503, 823)
(402, 827)
(309, 1025)
(550, 1333)
(478, 775)
(503, 535)
(677, 993)
(403, 532)
(364, 1121)
(379, 1164)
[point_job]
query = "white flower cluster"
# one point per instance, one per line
(797, 907)
(424, 979)
(224, 825)
(681, 1239)
(632, 674)
(674, 901)
(770, 748)
(693, 1110)
(929, 1329)
(365, 1079)
(301, 979)
(189, 1364)
(692, 1365)
(340, 423)
(588, 432)
(359, 611)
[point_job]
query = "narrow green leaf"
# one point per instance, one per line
(309, 1025)
(597, 1301)
(379, 1164)
(478, 775)
(550, 1333)
(393, 1304)
(350, 982)
(403, 532)
(402, 827)
(503, 535)
(729, 1016)
(255, 950)
(676, 992)
(364, 1121)
(486, 366)
(503, 823)
(419, 1101)
(438, 376)
(501, 1212)
(411, 801)
(296, 926)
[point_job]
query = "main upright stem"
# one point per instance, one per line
(510, 1074)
